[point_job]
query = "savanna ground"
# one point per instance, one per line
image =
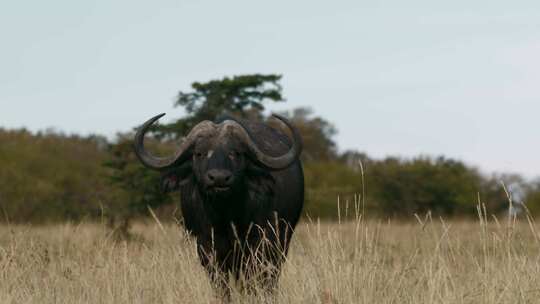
(420, 261)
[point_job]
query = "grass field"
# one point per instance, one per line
(420, 261)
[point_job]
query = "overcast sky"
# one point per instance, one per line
(459, 78)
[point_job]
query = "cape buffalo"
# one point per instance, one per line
(242, 191)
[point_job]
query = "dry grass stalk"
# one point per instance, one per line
(432, 261)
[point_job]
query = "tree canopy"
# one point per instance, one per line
(243, 96)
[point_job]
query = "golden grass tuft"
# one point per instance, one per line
(424, 261)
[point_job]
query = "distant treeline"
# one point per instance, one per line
(50, 176)
(54, 177)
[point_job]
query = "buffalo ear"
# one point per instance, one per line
(169, 182)
(173, 178)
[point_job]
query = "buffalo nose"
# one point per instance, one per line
(219, 177)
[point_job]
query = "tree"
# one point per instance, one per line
(140, 187)
(317, 135)
(532, 197)
(496, 199)
(353, 159)
(51, 176)
(241, 96)
(441, 186)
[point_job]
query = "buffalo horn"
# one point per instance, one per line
(278, 162)
(160, 163)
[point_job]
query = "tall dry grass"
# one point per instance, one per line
(421, 261)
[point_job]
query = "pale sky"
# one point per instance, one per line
(457, 78)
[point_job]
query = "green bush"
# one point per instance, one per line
(51, 176)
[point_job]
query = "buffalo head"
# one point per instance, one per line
(218, 154)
